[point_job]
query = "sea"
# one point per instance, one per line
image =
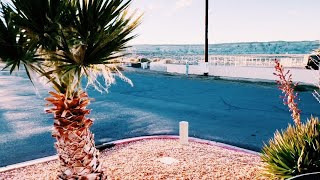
(274, 47)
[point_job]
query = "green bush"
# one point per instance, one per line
(293, 151)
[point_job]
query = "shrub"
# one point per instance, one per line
(297, 149)
(293, 151)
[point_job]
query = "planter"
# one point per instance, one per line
(307, 176)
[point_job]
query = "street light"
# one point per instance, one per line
(206, 39)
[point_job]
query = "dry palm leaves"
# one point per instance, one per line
(78, 157)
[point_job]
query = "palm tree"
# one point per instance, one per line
(68, 43)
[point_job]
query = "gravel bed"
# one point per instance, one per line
(160, 159)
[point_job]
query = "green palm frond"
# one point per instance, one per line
(68, 40)
(102, 29)
(16, 47)
(42, 19)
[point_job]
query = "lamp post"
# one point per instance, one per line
(206, 39)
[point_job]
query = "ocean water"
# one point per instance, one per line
(276, 47)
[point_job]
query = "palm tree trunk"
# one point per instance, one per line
(78, 157)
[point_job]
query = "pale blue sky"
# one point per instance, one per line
(182, 21)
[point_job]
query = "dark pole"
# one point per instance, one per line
(206, 36)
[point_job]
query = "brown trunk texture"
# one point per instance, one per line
(78, 157)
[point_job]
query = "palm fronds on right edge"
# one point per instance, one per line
(316, 93)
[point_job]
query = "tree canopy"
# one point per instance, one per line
(64, 41)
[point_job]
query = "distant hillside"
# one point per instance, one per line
(275, 47)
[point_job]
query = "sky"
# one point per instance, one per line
(182, 21)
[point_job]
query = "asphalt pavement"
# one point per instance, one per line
(233, 112)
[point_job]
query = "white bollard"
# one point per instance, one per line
(183, 132)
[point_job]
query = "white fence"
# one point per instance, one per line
(257, 67)
(292, 60)
(256, 60)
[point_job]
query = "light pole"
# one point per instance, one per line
(206, 39)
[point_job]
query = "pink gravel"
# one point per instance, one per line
(142, 160)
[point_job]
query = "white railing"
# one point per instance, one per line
(256, 60)
(298, 61)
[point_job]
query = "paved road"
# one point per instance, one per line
(242, 114)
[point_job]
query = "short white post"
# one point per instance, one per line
(187, 68)
(183, 132)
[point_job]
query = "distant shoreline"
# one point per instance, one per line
(272, 47)
(225, 43)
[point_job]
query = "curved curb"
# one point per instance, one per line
(127, 141)
(191, 139)
(28, 163)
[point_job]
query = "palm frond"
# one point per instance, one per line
(68, 40)
(16, 47)
(41, 19)
(103, 28)
(316, 93)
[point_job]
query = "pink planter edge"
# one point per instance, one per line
(191, 139)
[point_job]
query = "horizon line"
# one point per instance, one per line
(240, 42)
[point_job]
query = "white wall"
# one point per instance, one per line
(303, 76)
(181, 69)
(176, 68)
(158, 66)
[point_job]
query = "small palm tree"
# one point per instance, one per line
(68, 43)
